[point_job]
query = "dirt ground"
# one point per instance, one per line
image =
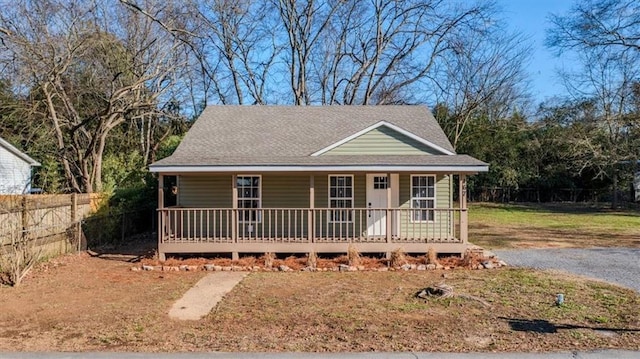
(83, 303)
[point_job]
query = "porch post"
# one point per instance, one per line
(312, 202)
(161, 219)
(388, 212)
(234, 205)
(464, 221)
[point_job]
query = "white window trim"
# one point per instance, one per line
(238, 199)
(352, 198)
(435, 196)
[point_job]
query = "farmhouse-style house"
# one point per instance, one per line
(255, 179)
(15, 169)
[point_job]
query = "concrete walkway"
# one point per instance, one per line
(617, 354)
(198, 301)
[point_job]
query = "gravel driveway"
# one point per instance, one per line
(616, 265)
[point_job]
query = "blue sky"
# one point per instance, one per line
(530, 17)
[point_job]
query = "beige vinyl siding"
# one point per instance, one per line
(382, 141)
(211, 191)
(285, 191)
(443, 221)
(206, 191)
(289, 192)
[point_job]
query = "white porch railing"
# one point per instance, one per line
(304, 225)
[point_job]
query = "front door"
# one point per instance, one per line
(377, 184)
(376, 204)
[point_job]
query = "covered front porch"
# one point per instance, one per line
(257, 213)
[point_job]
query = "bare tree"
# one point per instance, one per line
(480, 75)
(88, 68)
(373, 52)
(604, 139)
(328, 51)
(304, 22)
(235, 37)
(597, 23)
(604, 36)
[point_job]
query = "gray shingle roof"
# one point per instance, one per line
(288, 135)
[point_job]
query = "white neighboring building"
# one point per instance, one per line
(15, 170)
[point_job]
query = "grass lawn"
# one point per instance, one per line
(79, 303)
(553, 225)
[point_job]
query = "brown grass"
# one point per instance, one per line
(558, 225)
(432, 256)
(312, 260)
(398, 258)
(77, 303)
(353, 256)
(268, 259)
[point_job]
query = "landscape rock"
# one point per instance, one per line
(383, 269)
(184, 267)
(227, 269)
(284, 268)
(146, 267)
(217, 268)
(422, 267)
(236, 268)
(135, 269)
(192, 268)
(430, 266)
(439, 266)
(405, 267)
(209, 267)
(343, 267)
(488, 265)
(502, 263)
(255, 268)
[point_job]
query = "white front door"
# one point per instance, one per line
(377, 204)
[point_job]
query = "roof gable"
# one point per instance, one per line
(16, 152)
(383, 138)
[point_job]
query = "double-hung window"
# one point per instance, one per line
(249, 197)
(423, 197)
(341, 196)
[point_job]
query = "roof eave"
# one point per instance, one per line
(467, 169)
(23, 156)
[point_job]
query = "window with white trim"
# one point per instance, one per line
(380, 182)
(341, 196)
(249, 196)
(423, 197)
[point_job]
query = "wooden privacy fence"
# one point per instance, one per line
(52, 221)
